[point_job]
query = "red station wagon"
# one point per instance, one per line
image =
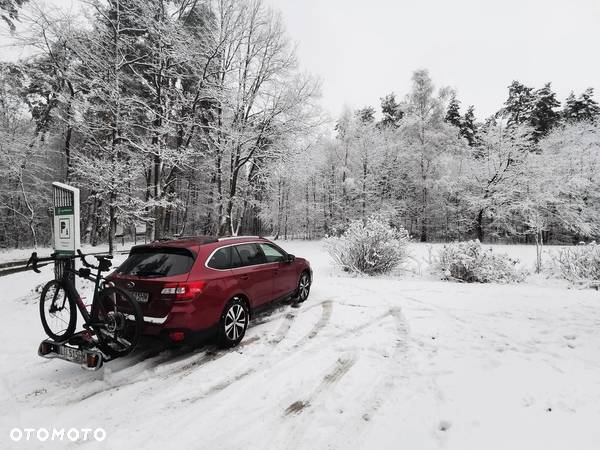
(192, 288)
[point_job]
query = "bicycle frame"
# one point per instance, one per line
(69, 285)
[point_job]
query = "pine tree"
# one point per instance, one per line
(543, 115)
(366, 114)
(582, 108)
(519, 105)
(572, 108)
(390, 109)
(591, 110)
(468, 129)
(453, 112)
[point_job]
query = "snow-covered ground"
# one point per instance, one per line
(404, 361)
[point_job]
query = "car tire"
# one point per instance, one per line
(303, 290)
(233, 323)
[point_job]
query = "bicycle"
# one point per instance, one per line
(112, 326)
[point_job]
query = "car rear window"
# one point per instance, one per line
(157, 263)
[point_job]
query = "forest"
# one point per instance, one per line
(190, 117)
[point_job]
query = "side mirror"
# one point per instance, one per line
(289, 258)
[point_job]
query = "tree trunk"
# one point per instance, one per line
(479, 225)
(539, 242)
(364, 192)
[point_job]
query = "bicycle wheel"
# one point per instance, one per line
(119, 320)
(57, 311)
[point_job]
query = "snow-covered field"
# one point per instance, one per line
(405, 361)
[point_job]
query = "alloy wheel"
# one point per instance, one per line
(303, 288)
(235, 322)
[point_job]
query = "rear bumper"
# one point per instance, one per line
(195, 315)
(191, 337)
(195, 323)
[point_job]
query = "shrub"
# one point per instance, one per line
(580, 264)
(468, 261)
(371, 248)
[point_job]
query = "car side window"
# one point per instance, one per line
(235, 258)
(250, 254)
(221, 259)
(271, 253)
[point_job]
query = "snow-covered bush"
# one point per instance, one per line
(468, 261)
(579, 264)
(371, 248)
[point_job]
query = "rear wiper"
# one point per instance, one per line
(149, 273)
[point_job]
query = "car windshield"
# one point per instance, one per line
(157, 263)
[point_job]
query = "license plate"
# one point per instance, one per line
(72, 354)
(140, 297)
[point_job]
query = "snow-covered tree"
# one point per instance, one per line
(519, 105)
(427, 137)
(468, 127)
(559, 187)
(493, 177)
(582, 108)
(453, 116)
(25, 168)
(544, 115)
(266, 99)
(391, 111)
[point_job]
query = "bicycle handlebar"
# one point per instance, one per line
(83, 261)
(103, 260)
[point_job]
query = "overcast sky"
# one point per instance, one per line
(364, 49)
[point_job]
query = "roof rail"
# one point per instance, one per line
(227, 238)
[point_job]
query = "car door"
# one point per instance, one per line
(284, 273)
(253, 274)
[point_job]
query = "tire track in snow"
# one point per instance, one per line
(280, 335)
(213, 354)
(148, 364)
(362, 326)
(214, 389)
(339, 369)
(298, 414)
(374, 398)
(283, 329)
(153, 368)
(210, 356)
(163, 364)
(326, 310)
(396, 368)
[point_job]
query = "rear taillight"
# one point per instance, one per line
(44, 348)
(92, 360)
(183, 291)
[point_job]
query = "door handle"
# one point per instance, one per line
(244, 277)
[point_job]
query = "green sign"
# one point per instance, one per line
(63, 211)
(64, 252)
